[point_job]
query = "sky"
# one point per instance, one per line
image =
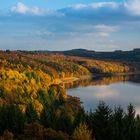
(100, 25)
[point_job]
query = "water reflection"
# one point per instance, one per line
(104, 92)
(96, 81)
(118, 90)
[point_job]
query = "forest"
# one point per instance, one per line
(132, 55)
(34, 105)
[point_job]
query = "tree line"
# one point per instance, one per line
(101, 124)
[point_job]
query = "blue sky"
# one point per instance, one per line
(55, 4)
(101, 25)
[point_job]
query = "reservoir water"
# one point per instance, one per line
(114, 91)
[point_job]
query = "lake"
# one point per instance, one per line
(114, 91)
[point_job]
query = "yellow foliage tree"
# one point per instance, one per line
(82, 132)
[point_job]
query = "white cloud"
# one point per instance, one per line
(105, 30)
(50, 12)
(97, 29)
(36, 11)
(103, 34)
(105, 4)
(43, 33)
(79, 6)
(21, 8)
(97, 5)
(133, 6)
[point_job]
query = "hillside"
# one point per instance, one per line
(133, 55)
(23, 76)
(32, 102)
(58, 65)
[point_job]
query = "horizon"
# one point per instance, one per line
(100, 25)
(6, 50)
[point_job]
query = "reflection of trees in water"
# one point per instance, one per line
(102, 81)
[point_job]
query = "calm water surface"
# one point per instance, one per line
(114, 91)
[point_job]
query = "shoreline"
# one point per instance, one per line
(73, 79)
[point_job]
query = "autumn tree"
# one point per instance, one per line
(82, 132)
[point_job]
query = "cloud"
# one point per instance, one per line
(97, 29)
(96, 5)
(133, 6)
(42, 34)
(77, 26)
(21, 8)
(105, 30)
(103, 11)
(50, 12)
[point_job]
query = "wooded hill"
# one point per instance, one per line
(133, 55)
(34, 106)
(26, 77)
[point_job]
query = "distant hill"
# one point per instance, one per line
(133, 55)
(118, 55)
